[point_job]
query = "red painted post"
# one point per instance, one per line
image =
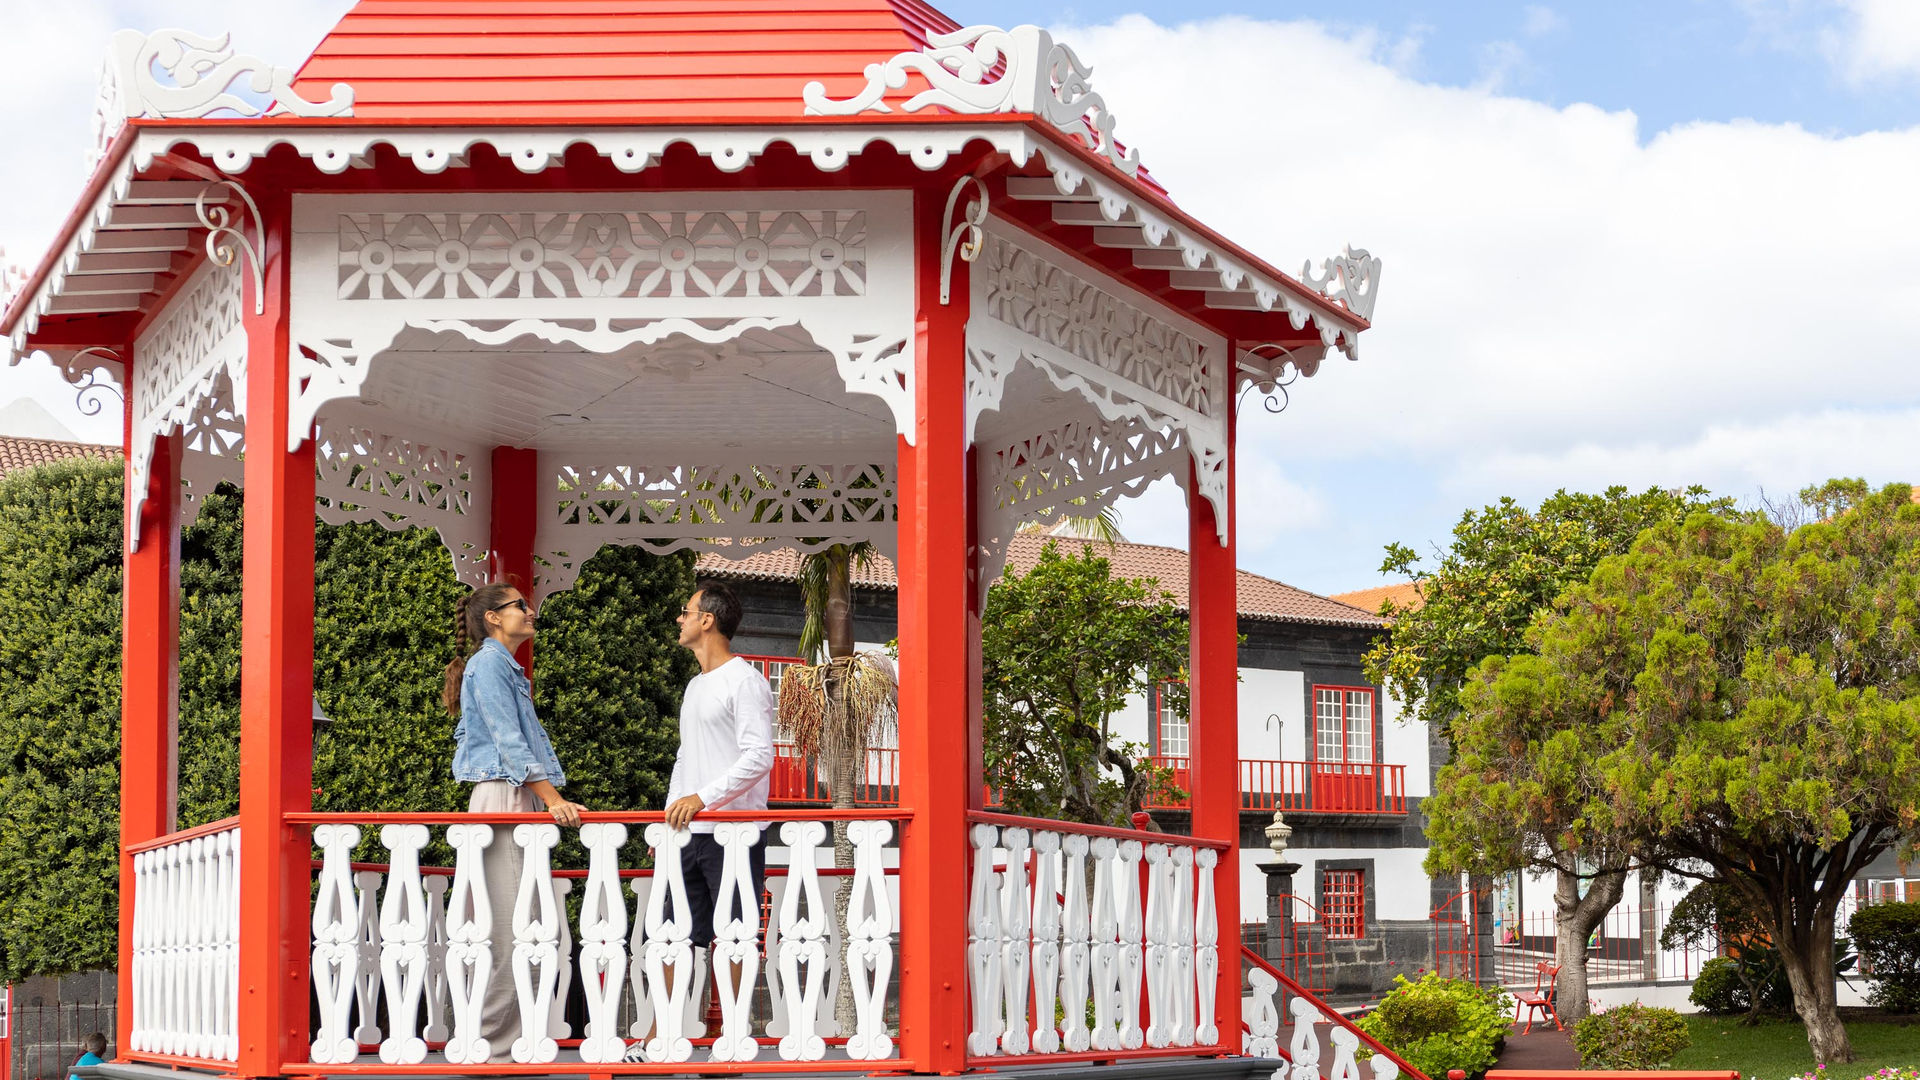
(1213, 615)
(276, 681)
(938, 725)
(149, 684)
(516, 475)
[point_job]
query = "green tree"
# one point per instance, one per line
(1502, 803)
(1064, 647)
(1754, 705)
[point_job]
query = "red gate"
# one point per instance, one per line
(1456, 936)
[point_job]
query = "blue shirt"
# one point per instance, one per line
(499, 737)
(87, 1058)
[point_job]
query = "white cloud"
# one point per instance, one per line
(1876, 41)
(1538, 20)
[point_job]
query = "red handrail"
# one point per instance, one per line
(1327, 1011)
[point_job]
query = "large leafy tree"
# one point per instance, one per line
(608, 674)
(1064, 646)
(1751, 701)
(1502, 804)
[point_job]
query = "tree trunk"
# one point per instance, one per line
(1577, 917)
(1807, 954)
(843, 764)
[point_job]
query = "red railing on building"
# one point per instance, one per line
(1305, 786)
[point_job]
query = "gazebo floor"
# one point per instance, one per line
(1231, 1068)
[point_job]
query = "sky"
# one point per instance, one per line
(1627, 242)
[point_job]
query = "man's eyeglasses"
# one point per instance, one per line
(694, 611)
(519, 602)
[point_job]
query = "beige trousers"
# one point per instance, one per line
(500, 1017)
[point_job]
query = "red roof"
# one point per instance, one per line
(1259, 597)
(17, 454)
(1406, 596)
(642, 61)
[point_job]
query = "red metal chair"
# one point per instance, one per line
(1539, 998)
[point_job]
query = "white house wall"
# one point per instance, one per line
(1405, 743)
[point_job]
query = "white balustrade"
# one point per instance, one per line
(1263, 1022)
(1304, 1048)
(1035, 935)
(402, 957)
(186, 912)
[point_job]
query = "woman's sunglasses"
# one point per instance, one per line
(520, 603)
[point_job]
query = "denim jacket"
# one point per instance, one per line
(499, 737)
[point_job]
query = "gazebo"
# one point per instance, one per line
(554, 274)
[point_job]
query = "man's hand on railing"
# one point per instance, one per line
(683, 809)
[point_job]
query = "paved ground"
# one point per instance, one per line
(1541, 1048)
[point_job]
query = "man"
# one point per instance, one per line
(726, 749)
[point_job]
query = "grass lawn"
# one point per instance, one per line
(1778, 1049)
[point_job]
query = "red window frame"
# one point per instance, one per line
(1346, 719)
(771, 667)
(1343, 904)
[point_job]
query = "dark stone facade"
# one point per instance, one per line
(51, 1014)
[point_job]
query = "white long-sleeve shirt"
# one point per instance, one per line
(726, 740)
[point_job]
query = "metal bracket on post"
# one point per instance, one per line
(1272, 384)
(90, 393)
(968, 226)
(225, 241)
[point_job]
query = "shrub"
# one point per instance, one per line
(1438, 1023)
(1888, 938)
(1718, 988)
(1630, 1036)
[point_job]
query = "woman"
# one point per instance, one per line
(501, 749)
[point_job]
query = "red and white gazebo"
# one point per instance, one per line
(546, 275)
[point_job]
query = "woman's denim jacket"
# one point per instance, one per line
(499, 737)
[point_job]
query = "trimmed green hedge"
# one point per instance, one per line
(608, 677)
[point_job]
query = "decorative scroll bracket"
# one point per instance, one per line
(1037, 75)
(1352, 277)
(90, 394)
(968, 226)
(225, 241)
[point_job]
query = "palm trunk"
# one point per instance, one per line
(842, 761)
(1577, 917)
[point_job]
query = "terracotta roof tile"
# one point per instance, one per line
(1405, 596)
(1259, 597)
(17, 454)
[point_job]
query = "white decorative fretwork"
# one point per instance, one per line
(735, 956)
(1125, 354)
(403, 944)
(670, 978)
(469, 948)
(365, 475)
(1303, 1049)
(203, 71)
(603, 951)
(536, 943)
(734, 509)
(869, 940)
(438, 1001)
(984, 69)
(366, 940)
(1352, 277)
(179, 363)
(1263, 1021)
(336, 950)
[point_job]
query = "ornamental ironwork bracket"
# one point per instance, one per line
(90, 394)
(968, 226)
(225, 240)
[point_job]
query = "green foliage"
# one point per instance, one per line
(1505, 565)
(1750, 978)
(608, 677)
(1888, 937)
(1439, 1023)
(1064, 646)
(1630, 1036)
(1748, 709)
(1717, 989)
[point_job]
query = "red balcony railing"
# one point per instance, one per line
(1307, 786)
(1310, 786)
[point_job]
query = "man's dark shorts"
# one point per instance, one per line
(702, 861)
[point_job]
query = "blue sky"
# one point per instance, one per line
(1634, 242)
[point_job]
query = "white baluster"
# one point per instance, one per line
(983, 943)
(1206, 951)
(803, 941)
(669, 947)
(143, 904)
(193, 1033)
(367, 974)
(1107, 964)
(437, 1028)
(469, 954)
(1180, 952)
(1127, 883)
(1263, 1026)
(1304, 1048)
(1384, 1067)
(1159, 934)
(536, 943)
(336, 953)
(174, 951)
(636, 970)
(1345, 1043)
(1046, 940)
(557, 1026)
(1076, 957)
(736, 927)
(233, 948)
(603, 931)
(403, 943)
(1016, 941)
(870, 942)
(206, 960)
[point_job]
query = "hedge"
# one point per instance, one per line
(608, 675)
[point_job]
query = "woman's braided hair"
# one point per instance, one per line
(469, 630)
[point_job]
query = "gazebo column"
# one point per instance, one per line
(149, 684)
(512, 524)
(276, 680)
(939, 728)
(1214, 680)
